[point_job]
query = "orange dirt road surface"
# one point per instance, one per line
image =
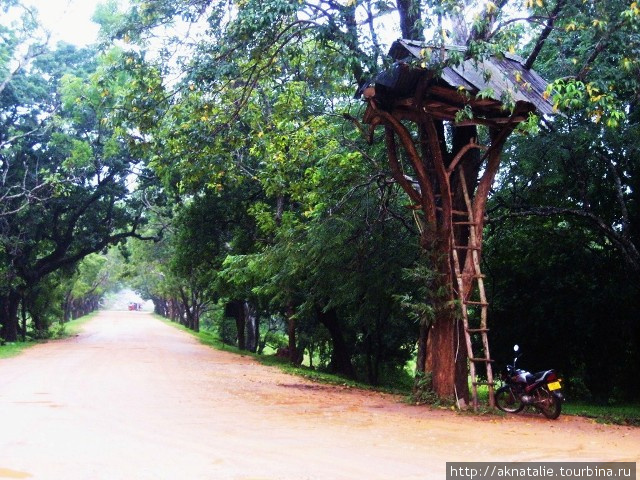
(132, 398)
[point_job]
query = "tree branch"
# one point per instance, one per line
(548, 28)
(619, 189)
(487, 19)
(33, 51)
(625, 246)
(598, 49)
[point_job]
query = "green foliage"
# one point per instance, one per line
(591, 56)
(570, 95)
(423, 393)
(227, 331)
(564, 287)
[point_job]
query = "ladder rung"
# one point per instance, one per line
(467, 247)
(475, 275)
(483, 383)
(481, 360)
(477, 330)
(456, 212)
(482, 304)
(465, 223)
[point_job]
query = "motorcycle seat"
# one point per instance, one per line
(536, 377)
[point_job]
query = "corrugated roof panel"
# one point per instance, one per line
(504, 76)
(531, 87)
(456, 80)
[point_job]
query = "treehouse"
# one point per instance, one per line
(445, 119)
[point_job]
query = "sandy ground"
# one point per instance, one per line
(132, 398)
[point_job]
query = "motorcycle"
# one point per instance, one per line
(541, 390)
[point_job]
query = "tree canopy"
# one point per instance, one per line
(71, 185)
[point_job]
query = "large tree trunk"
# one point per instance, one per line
(446, 357)
(340, 353)
(174, 312)
(423, 337)
(251, 323)
(9, 304)
(23, 311)
(446, 354)
(28, 302)
(291, 332)
(235, 310)
(160, 306)
(411, 25)
(196, 318)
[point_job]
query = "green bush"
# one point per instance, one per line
(227, 330)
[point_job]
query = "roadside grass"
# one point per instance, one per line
(72, 328)
(57, 331)
(13, 349)
(608, 414)
(206, 338)
(628, 414)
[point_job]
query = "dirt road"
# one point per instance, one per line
(132, 398)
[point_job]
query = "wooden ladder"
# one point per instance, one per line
(476, 326)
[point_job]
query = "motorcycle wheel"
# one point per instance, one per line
(507, 401)
(548, 404)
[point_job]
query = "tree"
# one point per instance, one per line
(81, 163)
(23, 40)
(93, 277)
(271, 94)
(319, 263)
(207, 230)
(146, 271)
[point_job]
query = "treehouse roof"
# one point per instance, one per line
(497, 89)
